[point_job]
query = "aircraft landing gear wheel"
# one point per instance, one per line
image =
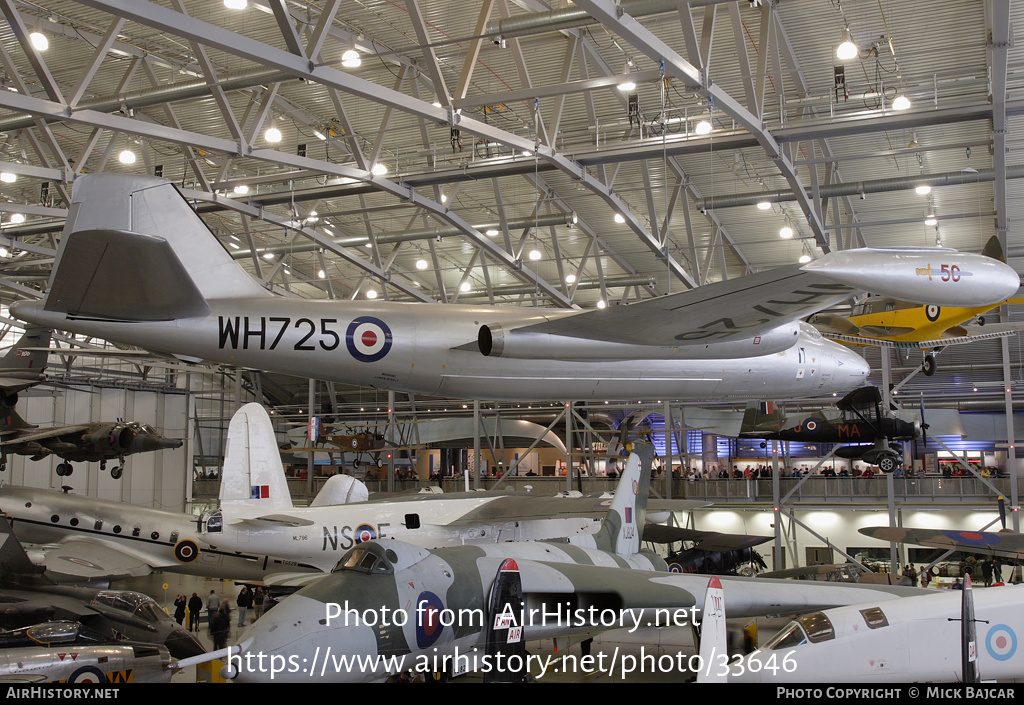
(888, 464)
(116, 472)
(64, 469)
(928, 367)
(103, 465)
(380, 462)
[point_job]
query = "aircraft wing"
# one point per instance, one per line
(45, 433)
(991, 332)
(85, 560)
(721, 311)
(705, 540)
(1003, 543)
(747, 597)
(272, 520)
(527, 508)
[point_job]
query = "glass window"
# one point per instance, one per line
(818, 627)
(791, 635)
(874, 617)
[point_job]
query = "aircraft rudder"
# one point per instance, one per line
(253, 474)
(21, 367)
(621, 529)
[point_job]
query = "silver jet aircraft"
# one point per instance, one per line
(390, 606)
(137, 265)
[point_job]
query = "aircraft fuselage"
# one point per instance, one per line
(432, 349)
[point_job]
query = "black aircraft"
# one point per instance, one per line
(857, 421)
(710, 552)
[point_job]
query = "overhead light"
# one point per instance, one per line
(847, 49)
(786, 232)
(931, 220)
(535, 255)
(312, 217)
(368, 245)
(236, 4)
(464, 286)
(321, 273)
(619, 218)
(436, 104)
(901, 102)
(39, 41)
(601, 303)
(804, 259)
(371, 294)
(4, 252)
(444, 198)
(268, 256)
(923, 190)
(8, 178)
(127, 156)
(351, 59)
(17, 218)
(272, 134)
(703, 127)
(241, 189)
(913, 144)
(570, 278)
(763, 205)
(234, 245)
(627, 86)
(421, 264)
(320, 135)
(492, 232)
(379, 169)
(527, 153)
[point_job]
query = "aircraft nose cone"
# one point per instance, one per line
(295, 643)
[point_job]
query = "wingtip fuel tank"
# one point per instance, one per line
(927, 275)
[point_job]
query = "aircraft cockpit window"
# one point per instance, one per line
(62, 632)
(874, 617)
(366, 559)
(791, 635)
(211, 522)
(818, 627)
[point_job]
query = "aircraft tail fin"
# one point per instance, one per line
(714, 648)
(22, 367)
(620, 531)
(761, 417)
(340, 489)
(133, 249)
(969, 635)
(253, 475)
(14, 562)
(993, 249)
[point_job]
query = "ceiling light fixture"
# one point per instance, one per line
(847, 49)
(492, 232)
(126, 156)
(241, 189)
(272, 134)
(763, 205)
(619, 218)
(8, 178)
(371, 294)
(379, 169)
(236, 4)
(421, 264)
(17, 218)
(570, 278)
(704, 127)
(535, 255)
(351, 59)
(931, 220)
(901, 102)
(804, 259)
(39, 40)
(923, 190)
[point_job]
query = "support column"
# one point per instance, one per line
(667, 462)
(476, 444)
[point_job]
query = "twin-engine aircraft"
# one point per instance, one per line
(137, 265)
(256, 509)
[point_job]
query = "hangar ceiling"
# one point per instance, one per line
(517, 170)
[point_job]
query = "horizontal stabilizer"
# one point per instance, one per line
(124, 276)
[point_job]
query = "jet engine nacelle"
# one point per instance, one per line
(115, 438)
(499, 340)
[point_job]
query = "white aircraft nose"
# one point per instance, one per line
(851, 365)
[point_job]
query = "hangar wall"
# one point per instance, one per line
(150, 479)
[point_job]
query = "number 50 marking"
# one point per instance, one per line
(950, 273)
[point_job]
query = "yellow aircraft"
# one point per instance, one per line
(908, 325)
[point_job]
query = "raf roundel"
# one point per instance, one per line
(365, 532)
(368, 339)
(1001, 642)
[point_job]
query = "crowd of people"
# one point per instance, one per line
(218, 611)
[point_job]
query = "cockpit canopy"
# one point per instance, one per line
(814, 628)
(369, 558)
